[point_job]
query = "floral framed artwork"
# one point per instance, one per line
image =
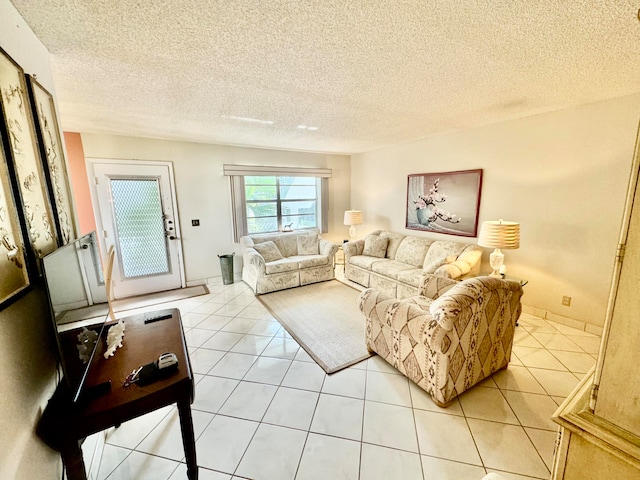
(52, 154)
(15, 275)
(23, 158)
(444, 202)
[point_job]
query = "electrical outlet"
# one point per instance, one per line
(566, 301)
(195, 223)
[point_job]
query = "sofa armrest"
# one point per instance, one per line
(246, 242)
(352, 248)
(253, 259)
(468, 298)
(433, 286)
(467, 262)
(327, 248)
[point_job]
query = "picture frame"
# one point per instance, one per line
(14, 279)
(24, 162)
(52, 154)
(444, 202)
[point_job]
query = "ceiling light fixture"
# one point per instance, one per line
(248, 119)
(305, 127)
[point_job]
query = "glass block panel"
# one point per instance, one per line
(299, 208)
(300, 221)
(260, 192)
(259, 180)
(297, 180)
(140, 227)
(262, 224)
(288, 192)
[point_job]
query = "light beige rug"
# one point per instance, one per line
(324, 319)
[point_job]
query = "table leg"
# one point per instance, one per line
(73, 461)
(188, 438)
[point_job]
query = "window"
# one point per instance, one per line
(275, 203)
(271, 199)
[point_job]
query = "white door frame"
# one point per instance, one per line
(100, 231)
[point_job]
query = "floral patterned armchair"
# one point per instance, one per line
(448, 338)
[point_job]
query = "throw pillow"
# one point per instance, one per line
(269, 251)
(308, 244)
(375, 246)
(432, 264)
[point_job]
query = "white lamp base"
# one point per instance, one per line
(352, 232)
(496, 260)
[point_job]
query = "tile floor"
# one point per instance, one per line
(265, 410)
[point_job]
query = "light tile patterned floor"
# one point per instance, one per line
(265, 410)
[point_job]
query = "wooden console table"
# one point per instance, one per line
(64, 424)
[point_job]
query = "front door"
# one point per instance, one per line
(136, 213)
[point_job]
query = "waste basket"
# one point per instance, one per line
(226, 265)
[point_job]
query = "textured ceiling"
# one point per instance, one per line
(366, 74)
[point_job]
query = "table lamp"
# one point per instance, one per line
(499, 235)
(352, 218)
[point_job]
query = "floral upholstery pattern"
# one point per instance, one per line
(448, 343)
(440, 253)
(269, 251)
(395, 239)
(462, 265)
(265, 274)
(308, 244)
(412, 250)
(398, 271)
(390, 268)
(375, 246)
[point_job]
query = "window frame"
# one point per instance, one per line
(236, 174)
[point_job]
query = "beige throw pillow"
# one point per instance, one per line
(375, 246)
(308, 244)
(269, 251)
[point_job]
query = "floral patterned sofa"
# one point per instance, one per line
(395, 264)
(276, 261)
(450, 337)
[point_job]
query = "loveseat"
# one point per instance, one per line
(395, 264)
(452, 336)
(276, 261)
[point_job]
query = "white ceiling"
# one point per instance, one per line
(367, 74)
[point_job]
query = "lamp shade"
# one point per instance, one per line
(500, 234)
(353, 217)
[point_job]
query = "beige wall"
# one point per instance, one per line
(203, 191)
(27, 349)
(562, 175)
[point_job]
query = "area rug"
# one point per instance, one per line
(324, 319)
(141, 301)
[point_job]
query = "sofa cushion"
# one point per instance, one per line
(390, 268)
(410, 277)
(375, 246)
(394, 242)
(269, 251)
(289, 244)
(453, 270)
(434, 264)
(281, 266)
(308, 244)
(308, 261)
(441, 252)
(412, 250)
(365, 262)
